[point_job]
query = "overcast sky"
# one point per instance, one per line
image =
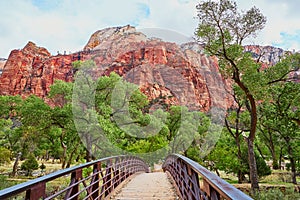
(66, 25)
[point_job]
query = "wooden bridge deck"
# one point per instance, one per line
(147, 186)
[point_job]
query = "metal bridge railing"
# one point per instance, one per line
(195, 182)
(93, 180)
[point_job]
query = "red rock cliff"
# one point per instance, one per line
(180, 74)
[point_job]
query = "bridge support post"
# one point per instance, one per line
(95, 181)
(117, 173)
(108, 178)
(75, 177)
(210, 191)
(36, 192)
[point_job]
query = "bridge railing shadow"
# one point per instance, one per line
(93, 180)
(194, 181)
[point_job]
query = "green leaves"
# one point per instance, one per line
(222, 21)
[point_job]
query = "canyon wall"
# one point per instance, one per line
(179, 74)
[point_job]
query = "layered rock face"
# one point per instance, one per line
(178, 74)
(33, 70)
(269, 56)
(163, 70)
(266, 54)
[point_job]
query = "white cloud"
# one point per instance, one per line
(67, 25)
(282, 20)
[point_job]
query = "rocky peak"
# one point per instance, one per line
(104, 38)
(31, 48)
(163, 70)
(32, 70)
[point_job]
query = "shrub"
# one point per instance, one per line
(274, 194)
(4, 155)
(42, 167)
(29, 165)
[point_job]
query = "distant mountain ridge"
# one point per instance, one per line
(161, 69)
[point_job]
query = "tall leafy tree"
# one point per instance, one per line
(237, 124)
(62, 125)
(281, 115)
(222, 28)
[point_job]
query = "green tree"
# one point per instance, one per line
(237, 124)
(4, 155)
(65, 142)
(30, 164)
(222, 28)
(280, 115)
(224, 157)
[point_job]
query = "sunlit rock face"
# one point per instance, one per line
(266, 54)
(269, 56)
(164, 71)
(32, 70)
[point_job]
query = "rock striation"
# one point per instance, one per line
(32, 70)
(176, 74)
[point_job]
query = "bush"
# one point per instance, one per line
(4, 183)
(4, 155)
(29, 165)
(274, 194)
(42, 167)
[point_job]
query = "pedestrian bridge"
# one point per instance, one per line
(128, 178)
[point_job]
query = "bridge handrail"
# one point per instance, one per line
(185, 172)
(117, 169)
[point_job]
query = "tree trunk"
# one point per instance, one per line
(252, 167)
(15, 167)
(88, 155)
(63, 158)
(293, 164)
(280, 158)
(250, 140)
(69, 162)
(241, 176)
(275, 163)
(260, 152)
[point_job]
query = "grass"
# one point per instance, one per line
(7, 181)
(275, 186)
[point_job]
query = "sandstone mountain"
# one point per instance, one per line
(179, 74)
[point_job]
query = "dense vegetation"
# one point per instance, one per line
(263, 96)
(32, 127)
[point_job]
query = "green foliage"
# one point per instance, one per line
(274, 194)
(30, 164)
(61, 92)
(76, 64)
(224, 156)
(5, 183)
(5, 155)
(87, 171)
(221, 22)
(277, 194)
(42, 166)
(262, 168)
